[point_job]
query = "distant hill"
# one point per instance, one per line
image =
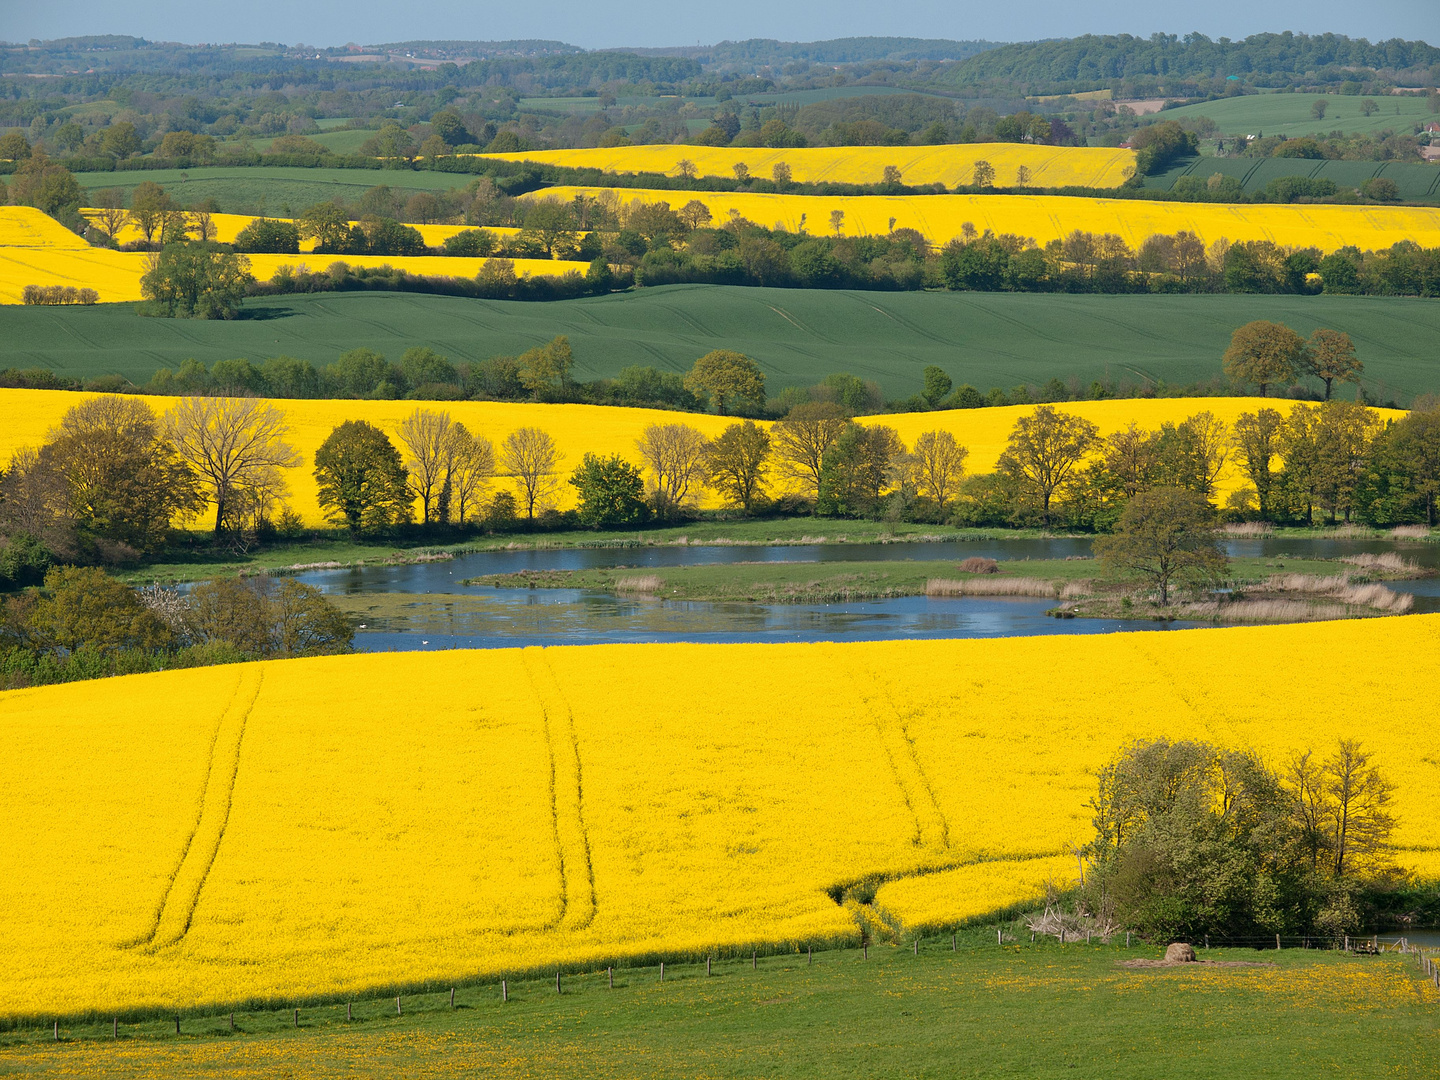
(1092, 62)
(855, 50)
(477, 50)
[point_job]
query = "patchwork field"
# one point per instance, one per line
(1291, 115)
(26, 416)
(37, 250)
(302, 829)
(797, 335)
(1417, 182)
(940, 218)
(951, 165)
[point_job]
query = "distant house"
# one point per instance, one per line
(1433, 127)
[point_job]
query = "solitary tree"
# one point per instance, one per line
(328, 225)
(984, 174)
(233, 445)
(111, 214)
(1330, 355)
(937, 385)
(362, 482)
(1044, 449)
(727, 378)
(802, 437)
(611, 492)
(1263, 353)
(530, 456)
(738, 463)
(938, 464)
(675, 456)
(1165, 533)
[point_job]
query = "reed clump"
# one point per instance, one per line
(1003, 586)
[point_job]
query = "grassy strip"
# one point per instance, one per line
(982, 1010)
(822, 582)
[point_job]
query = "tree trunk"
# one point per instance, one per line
(1327, 388)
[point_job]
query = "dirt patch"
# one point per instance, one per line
(1147, 964)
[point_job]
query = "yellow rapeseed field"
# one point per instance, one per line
(307, 828)
(26, 415)
(37, 250)
(941, 218)
(951, 165)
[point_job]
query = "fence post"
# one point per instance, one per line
(297, 1018)
(177, 1025)
(610, 974)
(1127, 939)
(452, 997)
(115, 1032)
(916, 943)
(504, 991)
(57, 1030)
(752, 959)
(662, 970)
(557, 982)
(1277, 942)
(998, 939)
(397, 1006)
(707, 967)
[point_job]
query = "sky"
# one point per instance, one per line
(592, 24)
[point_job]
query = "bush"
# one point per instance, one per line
(58, 294)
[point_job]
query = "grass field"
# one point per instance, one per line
(26, 416)
(941, 218)
(307, 830)
(346, 141)
(1289, 114)
(1043, 1011)
(951, 165)
(282, 191)
(829, 582)
(798, 335)
(1417, 182)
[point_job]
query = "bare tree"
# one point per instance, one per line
(474, 465)
(111, 214)
(802, 438)
(234, 445)
(429, 438)
(530, 456)
(1359, 801)
(938, 464)
(675, 456)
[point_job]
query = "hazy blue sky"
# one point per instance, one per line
(596, 24)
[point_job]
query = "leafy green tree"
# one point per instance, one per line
(1163, 534)
(611, 492)
(328, 225)
(552, 224)
(1044, 451)
(738, 463)
(545, 369)
(1256, 439)
(423, 366)
(1264, 353)
(937, 466)
(937, 385)
(1161, 143)
(363, 373)
(727, 379)
(14, 146)
(149, 206)
(447, 124)
(1413, 453)
(195, 281)
(1330, 355)
(858, 469)
(361, 479)
(122, 478)
(48, 186)
(86, 608)
(268, 618)
(392, 143)
(386, 236)
(121, 140)
(269, 236)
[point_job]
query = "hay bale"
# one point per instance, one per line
(1178, 952)
(978, 564)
